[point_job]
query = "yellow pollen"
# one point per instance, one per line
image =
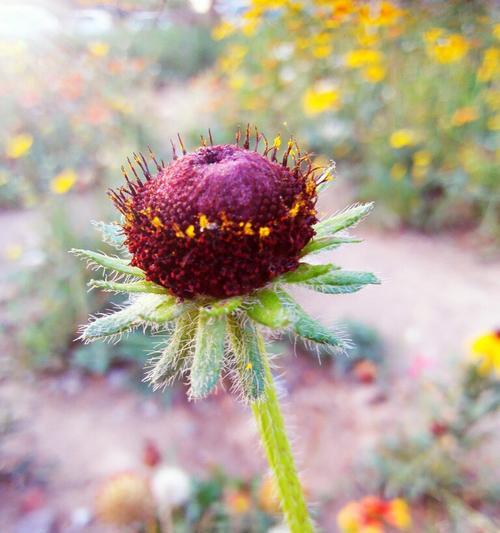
(203, 220)
(247, 229)
(190, 231)
(264, 232)
(311, 186)
(157, 223)
(249, 366)
(277, 142)
(294, 211)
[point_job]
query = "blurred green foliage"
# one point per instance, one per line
(404, 96)
(440, 462)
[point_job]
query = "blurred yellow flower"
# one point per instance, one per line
(98, 49)
(399, 514)
(322, 51)
(63, 182)
(492, 98)
(18, 145)
(422, 158)
(222, 31)
(380, 14)
(318, 100)
(233, 58)
(490, 66)
(121, 105)
(236, 81)
(432, 35)
(398, 171)
(362, 58)
(13, 252)
(448, 49)
(464, 115)
(486, 351)
(401, 138)
(493, 123)
(374, 73)
(496, 31)
(321, 46)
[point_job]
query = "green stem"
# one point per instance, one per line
(271, 427)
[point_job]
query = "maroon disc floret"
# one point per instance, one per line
(221, 221)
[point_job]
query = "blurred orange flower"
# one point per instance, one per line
(372, 514)
(268, 495)
(238, 501)
(464, 115)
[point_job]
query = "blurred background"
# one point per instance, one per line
(404, 96)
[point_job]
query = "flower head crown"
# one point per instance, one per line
(209, 244)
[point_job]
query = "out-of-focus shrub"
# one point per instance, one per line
(49, 302)
(68, 109)
(434, 464)
(405, 94)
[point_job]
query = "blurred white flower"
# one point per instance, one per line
(171, 487)
(280, 528)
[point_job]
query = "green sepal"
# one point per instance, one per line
(123, 320)
(222, 307)
(341, 282)
(174, 358)
(112, 234)
(323, 244)
(308, 328)
(208, 357)
(169, 309)
(304, 272)
(266, 308)
(110, 263)
(342, 220)
(250, 371)
(132, 287)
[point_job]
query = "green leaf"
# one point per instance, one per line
(323, 244)
(308, 328)
(112, 234)
(304, 272)
(266, 308)
(342, 220)
(208, 355)
(222, 307)
(132, 287)
(250, 371)
(341, 281)
(175, 357)
(109, 263)
(137, 312)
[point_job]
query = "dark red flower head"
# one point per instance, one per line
(221, 221)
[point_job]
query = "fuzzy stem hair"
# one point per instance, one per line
(271, 426)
